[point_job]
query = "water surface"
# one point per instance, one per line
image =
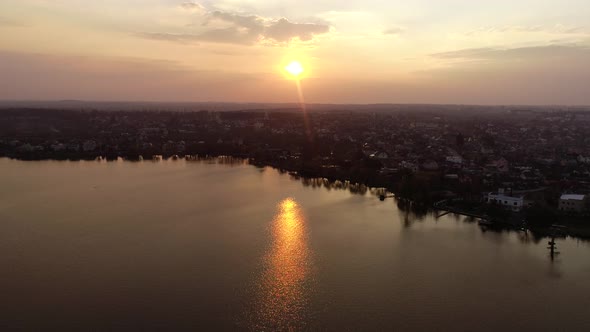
(200, 245)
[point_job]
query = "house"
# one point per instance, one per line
(572, 203)
(455, 159)
(500, 165)
(89, 146)
(379, 155)
(409, 165)
(451, 176)
(514, 203)
(430, 165)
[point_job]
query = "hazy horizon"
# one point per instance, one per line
(270, 105)
(425, 52)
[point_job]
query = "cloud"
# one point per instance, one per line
(543, 74)
(468, 53)
(231, 35)
(7, 22)
(394, 31)
(251, 22)
(530, 52)
(283, 30)
(192, 6)
(548, 29)
(231, 28)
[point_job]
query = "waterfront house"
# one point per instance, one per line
(506, 200)
(573, 203)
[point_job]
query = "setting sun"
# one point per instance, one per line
(295, 68)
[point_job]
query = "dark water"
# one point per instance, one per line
(200, 246)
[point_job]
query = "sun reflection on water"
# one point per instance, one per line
(284, 285)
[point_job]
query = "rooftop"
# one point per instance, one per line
(573, 197)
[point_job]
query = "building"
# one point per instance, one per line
(572, 203)
(89, 146)
(455, 159)
(514, 203)
(379, 155)
(409, 165)
(500, 165)
(430, 165)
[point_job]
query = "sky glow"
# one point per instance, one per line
(453, 51)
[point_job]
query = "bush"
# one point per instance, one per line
(540, 215)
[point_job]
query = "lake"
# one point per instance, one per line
(219, 245)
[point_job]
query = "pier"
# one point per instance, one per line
(443, 210)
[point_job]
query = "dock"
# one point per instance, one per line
(443, 210)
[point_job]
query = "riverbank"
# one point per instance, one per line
(577, 227)
(400, 187)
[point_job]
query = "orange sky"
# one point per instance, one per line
(454, 51)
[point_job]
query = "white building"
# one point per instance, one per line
(509, 202)
(572, 203)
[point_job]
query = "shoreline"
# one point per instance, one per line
(567, 227)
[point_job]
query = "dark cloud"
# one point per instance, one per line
(243, 29)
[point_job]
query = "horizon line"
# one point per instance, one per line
(288, 103)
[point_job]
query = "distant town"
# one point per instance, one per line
(521, 166)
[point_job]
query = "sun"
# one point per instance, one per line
(295, 69)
